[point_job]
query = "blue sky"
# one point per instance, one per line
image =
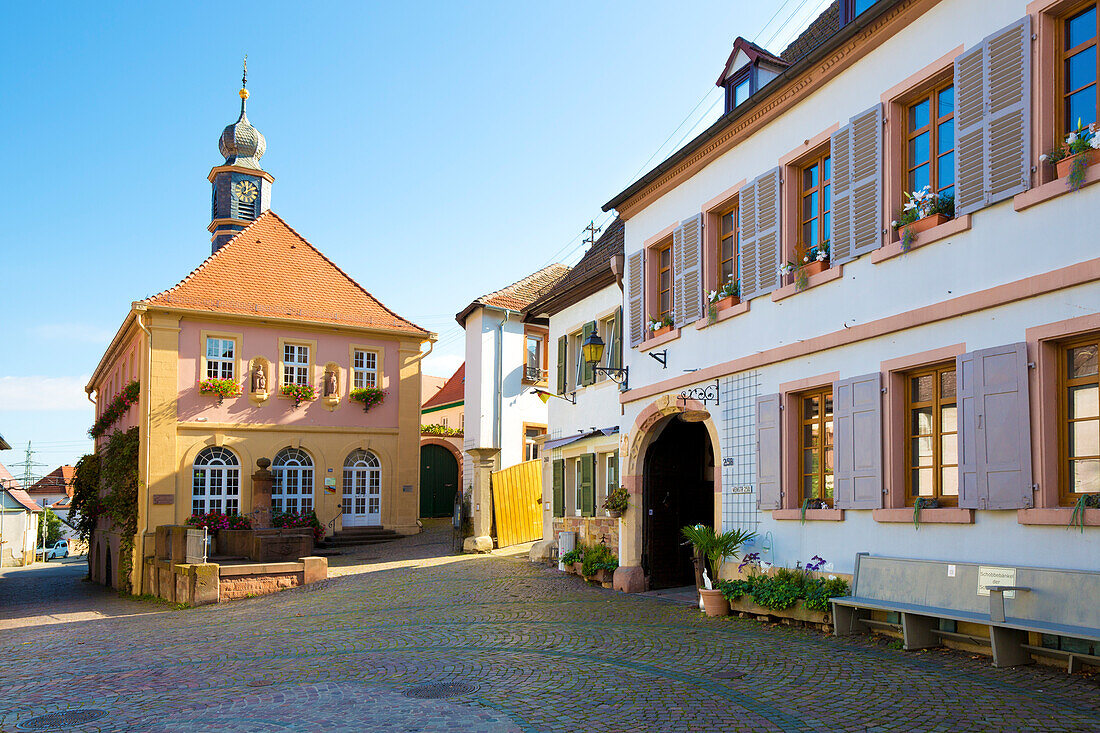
(435, 151)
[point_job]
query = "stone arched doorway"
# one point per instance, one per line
(677, 490)
(438, 480)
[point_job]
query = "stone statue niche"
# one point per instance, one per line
(331, 385)
(259, 377)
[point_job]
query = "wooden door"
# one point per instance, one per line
(438, 481)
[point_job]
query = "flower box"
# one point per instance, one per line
(661, 331)
(1064, 166)
(578, 568)
(926, 223)
(797, 612)
(727, 302)
(815, 267)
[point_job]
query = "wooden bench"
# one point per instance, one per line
(1011, 601)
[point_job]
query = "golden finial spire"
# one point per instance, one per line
(244, 79)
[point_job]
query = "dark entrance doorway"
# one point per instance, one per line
(438, 481)
(678, 489)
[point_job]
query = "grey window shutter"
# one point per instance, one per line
(857, 443)
(559, 488)
(994, 428)
(970, 132)
(588, 374)
(1008, 111)
(866, 179)
(615, 357)
(635, 296)
(563, 350)
(769, 494)
(687, 248)
(588, 484)
(767, 232)
(840, 236)
(746, 256)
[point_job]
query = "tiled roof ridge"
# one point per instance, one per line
(436, 399)
(238, 237)
(510, 289)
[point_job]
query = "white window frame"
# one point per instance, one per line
(216, 482)
(218, 365)
(296, 369)
(577, 487)
(294, 482)
(364, 369)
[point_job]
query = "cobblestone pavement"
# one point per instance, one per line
(546, 652)
(53, 592)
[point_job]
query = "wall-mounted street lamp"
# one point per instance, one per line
(592, 349)
(545, 396)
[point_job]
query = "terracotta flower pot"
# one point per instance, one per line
(1063, 167)
(614, 513)
(578, 568)
(815, 267)
(727, 302)
(714, 603)
(926, 223)
(661, 331)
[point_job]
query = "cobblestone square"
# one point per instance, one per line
(545, 652)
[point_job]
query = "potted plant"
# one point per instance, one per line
(368, 396)
(1073, 157)
(922, 211)
(221, 387)
(1084, 502)
(617, 502)
(571, 560)
(598, 563)
(807, 262)
(660, 326)
(714, 549)
(299, 392)
(792, 594)
(725, 297)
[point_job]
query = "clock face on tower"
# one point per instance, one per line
(245, 191)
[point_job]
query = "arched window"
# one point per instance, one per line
(216, 482)
(362, 486)
(293, 487)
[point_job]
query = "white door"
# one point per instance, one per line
(362, 490)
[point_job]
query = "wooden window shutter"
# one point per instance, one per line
(857, 449)
(769, 494)
(866, 180)
(1008, 111)
(563, 352)
(687, 258)
(588, 374)
(559, 488)
(840, 236)
(768, 214)
(970, 131)
(588, 484)
(615, 357)
(994, 428)
(635, 296)
(746, 255)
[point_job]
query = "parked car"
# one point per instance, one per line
(57, 549)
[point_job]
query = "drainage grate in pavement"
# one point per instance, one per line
(437, 690)
(65, 719)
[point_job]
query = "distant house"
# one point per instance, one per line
(54, 487)
(441, 446)
(19, 517)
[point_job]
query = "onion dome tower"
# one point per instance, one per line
(241, 188)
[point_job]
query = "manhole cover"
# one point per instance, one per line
(435, 690)
(65, 719)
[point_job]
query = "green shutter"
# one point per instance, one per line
(559, 488)
(588, 484)
(615, 358)
(588, 374)
(563, 344)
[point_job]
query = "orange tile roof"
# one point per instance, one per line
(59, 479)
(270, 269)
(520, 294)
(453, 391)
(24, 498)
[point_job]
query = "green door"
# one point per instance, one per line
(438, 481)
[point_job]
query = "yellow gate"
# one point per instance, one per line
(517, 503)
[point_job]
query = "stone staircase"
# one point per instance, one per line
(353, 536)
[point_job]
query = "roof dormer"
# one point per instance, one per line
(748, 68)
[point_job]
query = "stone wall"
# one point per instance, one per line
(235, 587)
(590, 530)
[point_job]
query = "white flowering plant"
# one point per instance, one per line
(731, 288)
(922, 203)
(1081, 140)
(803, 257)
(659, 322)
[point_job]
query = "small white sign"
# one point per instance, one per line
(988, 576)
(951, 571)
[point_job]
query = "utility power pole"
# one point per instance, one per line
(592, 230)
(28, 478)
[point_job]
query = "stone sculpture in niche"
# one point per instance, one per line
(330, 383)
(259, 379)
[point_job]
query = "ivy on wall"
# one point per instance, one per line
(115, 409)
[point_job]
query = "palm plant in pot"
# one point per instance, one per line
(713, 549)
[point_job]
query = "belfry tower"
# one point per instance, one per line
(241, 188)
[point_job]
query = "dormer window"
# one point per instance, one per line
(748, 68)
(850, 9)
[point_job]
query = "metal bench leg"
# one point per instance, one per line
(917, 631)
(1008, 650)
(846, 620)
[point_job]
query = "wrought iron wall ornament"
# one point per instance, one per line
(706, 395)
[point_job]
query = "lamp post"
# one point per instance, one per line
(592, 350)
